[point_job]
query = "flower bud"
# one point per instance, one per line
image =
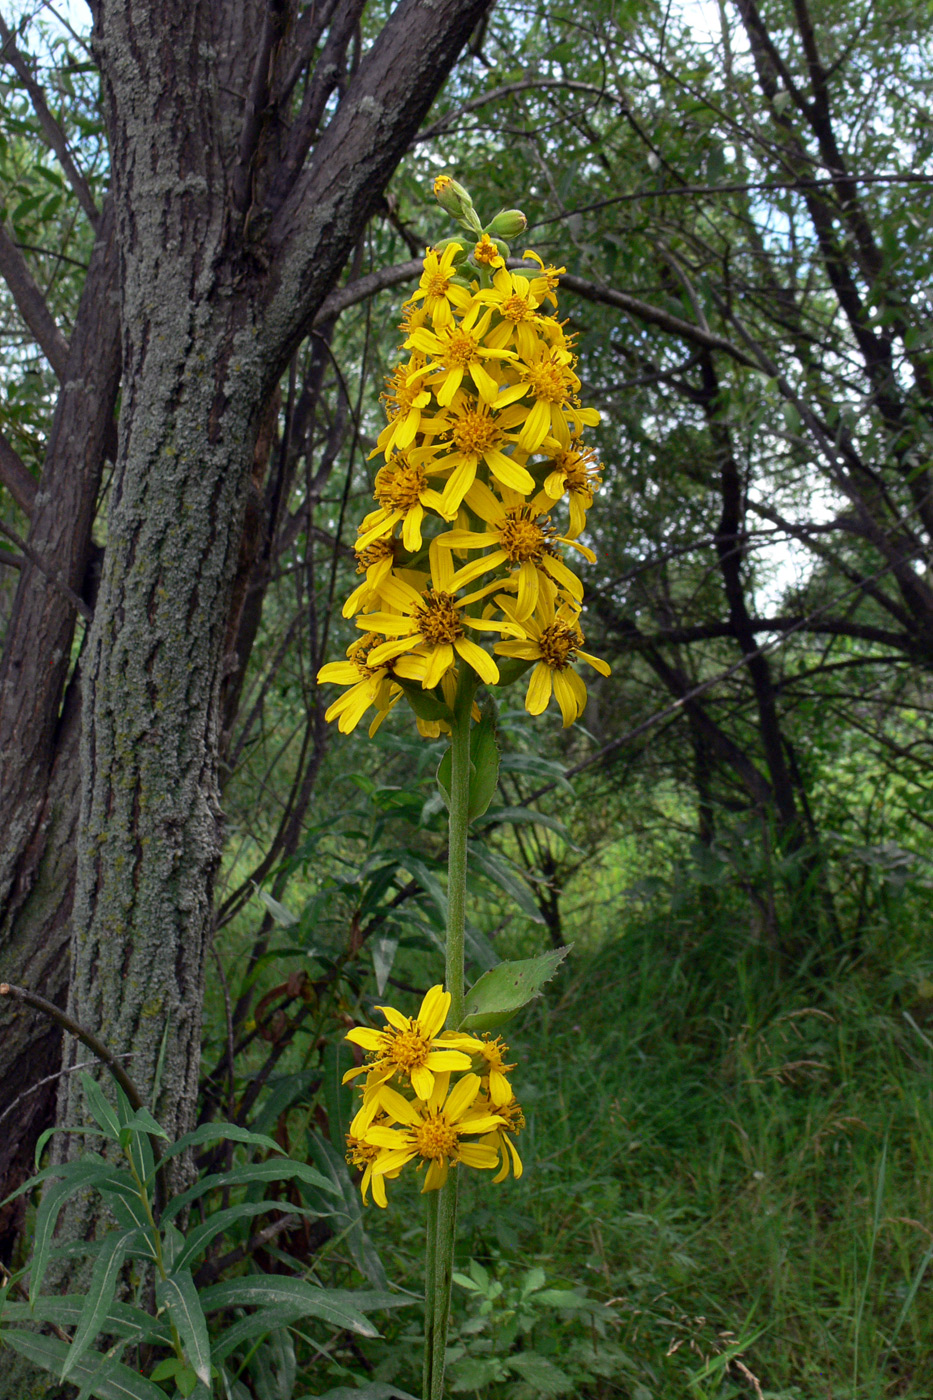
(453, 198)
(508, 223)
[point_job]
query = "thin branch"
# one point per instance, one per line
(77, 603)
(55, 1013)
(16, 476)
(50, 127)
(31, 305)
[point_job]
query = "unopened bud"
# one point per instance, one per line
(508, 224)
(453, 197)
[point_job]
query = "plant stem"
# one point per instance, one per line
(430, 1270)
(457, 842)
(442, 1214)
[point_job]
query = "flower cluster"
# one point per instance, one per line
(482, 493)
(411, 1112)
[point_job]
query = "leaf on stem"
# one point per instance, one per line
(499, 994)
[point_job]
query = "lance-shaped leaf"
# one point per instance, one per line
(284, 1169)
(180, 1297)
(292, 1294)
(499, 994)
(100, 1294)
(104, 1378)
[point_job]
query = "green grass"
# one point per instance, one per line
(737, 1171)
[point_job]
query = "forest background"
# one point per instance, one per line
(727, 1186)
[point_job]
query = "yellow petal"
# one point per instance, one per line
(422, 1081)
(539, 689)
(433, 1011)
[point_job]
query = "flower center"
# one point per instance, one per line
(517, 308)
(360, 1153)
(522, 537)
(460, 349)
(399, 485)
(361, 651)
(436, 285)
(580, 469)
(548, 380)
(400, 395)
(512, 1113)
(383, 548)
(557, 644)
(438, 621)
(435, 1138)
(408, 1049)
(474, 432)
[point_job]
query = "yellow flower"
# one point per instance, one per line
(476, 434)
(553, 639)
(433, 1130)
(403, 493)
(437, 289)
(370, 684)
(486, 253)
(494, 1070)
(546, 284)
(431, 624)
(501, 1140)
(550, 378)
(404, 399)
(456, 350)
(517, 302)
(574, 470)
(364, 1156)
(376, 561)
(408, 1048)
(522, 539)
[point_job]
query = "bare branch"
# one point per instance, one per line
(16, 476)
(31, 304)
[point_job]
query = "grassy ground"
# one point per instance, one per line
(728, 1177)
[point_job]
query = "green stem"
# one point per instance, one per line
(442, 1219)
(430, 1269)
(457, 842)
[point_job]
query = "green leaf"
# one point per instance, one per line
(280, 914)
(495, 868)
(498, 994)
(105, 1378)
(547, 1378)
(199, 1238)
(78, 1176)
(425, 703)
(484, 760)
(102, 1111)
(179, 1295)
(500, 816)
(122, 1320)
(282, 1170)
(104, 1279)
(383, 952)
(428, 881)
(213, 1132)
(278, 1295)
(546, 768)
